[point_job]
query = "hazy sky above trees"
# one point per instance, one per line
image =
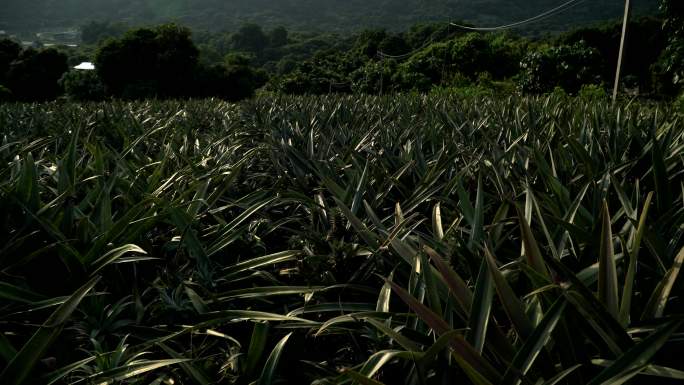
(320, 15)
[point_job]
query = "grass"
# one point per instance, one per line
(342, 240)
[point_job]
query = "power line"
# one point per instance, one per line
(625, 20)
(544, 15)
(383, 55)
(552, 12)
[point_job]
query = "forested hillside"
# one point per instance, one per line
(324, 15)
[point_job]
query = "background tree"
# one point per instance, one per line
(278, 37)
(368, 42)
(146, 62)
(394, 44)
(5, 94)
(34, 75)
(177, 58)
(419, 34)
(97, 31)
(231, 82)
(9, 52)
(250, 38)
(82, 86)
(645, 43)
(670, 68)
(566, 66)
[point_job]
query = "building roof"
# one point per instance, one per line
(86, 65)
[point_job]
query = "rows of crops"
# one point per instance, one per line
(341, 240)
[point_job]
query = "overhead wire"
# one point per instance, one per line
(544, 15)
(427, 43)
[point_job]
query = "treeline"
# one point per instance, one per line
(432, 56)
(168, 62)
(161, 62)
(305, 15)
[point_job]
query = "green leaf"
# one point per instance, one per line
(437, 222)
(271, 259)
(473, 375)
(531, 248)
(456, 284)
(396, 336)
(650, 370)
(7, 351)
(352, 318)
(58, 374)
(265, 291)
(478, 322)
(184, 224)
(440, 326)
(607, 278)
(384, 296)
(113, 255)
(560, 376)
(512, 305)
(131, 370)
(658, 300)
(14, 293)
(197, 374)
(225, 237)
(361, 379)
(257, 345)
(442, 343)
(197, 302)
(268, 373)
(360, 190)
(361, 229)
(628, 289)
(27, 185)
(23, 363)
(662, 183)
(430, 285)
(636, 357)
(477, 231)
(333, 307)
(535, 343)
(377, 360)
(199, 198)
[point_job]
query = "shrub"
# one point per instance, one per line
(9, 51)
(592, 92)
(148, 62)
(229, 82)
(83, 86)
(34, 75)
(5, 94)
(679, 103)
(566, 66)
(670, 73)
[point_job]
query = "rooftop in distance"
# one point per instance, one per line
(86, 65)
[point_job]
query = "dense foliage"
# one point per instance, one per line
(566, 66)
(148, 62)
(397, 240)
(646, 40)
(672, 61)
(29, 74)
(164, 63)
(168, 62)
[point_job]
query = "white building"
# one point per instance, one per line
(85, 66)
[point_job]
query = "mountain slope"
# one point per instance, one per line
(324, 15)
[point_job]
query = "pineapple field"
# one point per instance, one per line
(398, 240)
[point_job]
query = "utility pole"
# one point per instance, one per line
(622, 50)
